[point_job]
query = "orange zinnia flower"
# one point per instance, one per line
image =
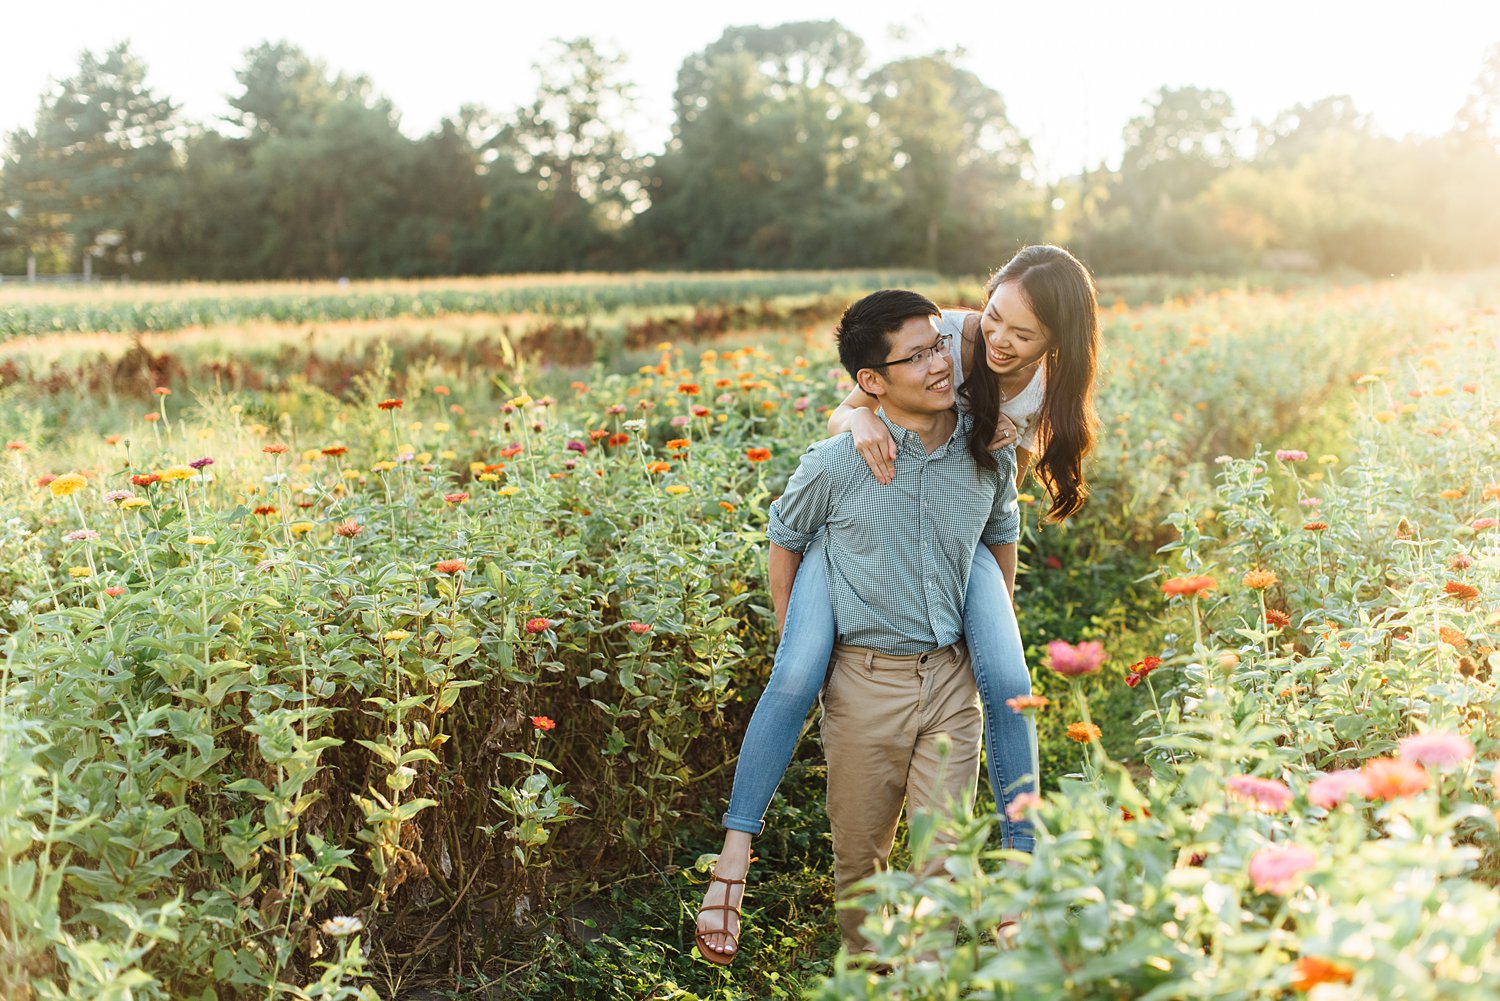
(391, 404)
(543, 722)
(658, 467)
(162, 391)
(348, 528)
(276, 448)
(1453, 637)
(1021, 703)
(450, 566)
(1460, 590)
(457, 498)
(265, 509)
(758, 454)
(1315, 526)
(1312, 971)
(727, 506)
(1392, 778)
(1188, 585)
(689, 389)
(1276, 617)
(679, 443)
(1084, 732)
(1259, 580)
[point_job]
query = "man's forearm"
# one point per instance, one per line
(783, 564)
(1006, 556)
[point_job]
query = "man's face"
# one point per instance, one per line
(924, 386)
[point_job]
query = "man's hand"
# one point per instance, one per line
(873, 441)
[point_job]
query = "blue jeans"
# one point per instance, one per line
(801, 665)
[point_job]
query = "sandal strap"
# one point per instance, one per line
(719, 907)
(715, 877)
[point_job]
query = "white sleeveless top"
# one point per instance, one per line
(1024, 408)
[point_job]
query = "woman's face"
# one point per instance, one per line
(1014, 338)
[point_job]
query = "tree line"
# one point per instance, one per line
(789, 148)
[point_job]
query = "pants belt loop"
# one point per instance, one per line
(869, 661)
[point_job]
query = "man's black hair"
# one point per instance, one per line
(865, 328)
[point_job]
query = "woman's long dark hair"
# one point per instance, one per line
(1060, 291)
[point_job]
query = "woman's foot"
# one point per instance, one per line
(718, 931)
(718, 928)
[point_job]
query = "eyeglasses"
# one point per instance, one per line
(923, 359)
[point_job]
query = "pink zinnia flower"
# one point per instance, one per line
(1443, 751)
(1480, 524)
(1290, 455)
(639, 627)
(1268, 795)
(1328, 791)
(1074, 661)
(1275, 869)
(1017, 808)
(81, 535)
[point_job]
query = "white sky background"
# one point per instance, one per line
(1071, 74)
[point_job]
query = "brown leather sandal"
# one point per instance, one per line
(713, 955)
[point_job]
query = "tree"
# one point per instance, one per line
(1174, 150)
(766, 165)
(957, 163)
(1300, 129)
(77, 177)
(564, 181)
(1480, 115)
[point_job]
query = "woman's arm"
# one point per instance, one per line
(872, 439)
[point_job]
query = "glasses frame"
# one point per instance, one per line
(944, 344)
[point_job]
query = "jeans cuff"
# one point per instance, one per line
(753, 827)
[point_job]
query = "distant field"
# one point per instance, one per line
(27, 310)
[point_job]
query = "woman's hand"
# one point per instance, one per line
(874, 443)
(1005, 433)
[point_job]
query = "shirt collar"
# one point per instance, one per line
(904, 436)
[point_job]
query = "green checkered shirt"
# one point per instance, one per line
(898, 555)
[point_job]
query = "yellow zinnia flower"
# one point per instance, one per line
(80, 572)
(396, 635)
(66, 484)
(507, 491)
(488, 477)
(178, 473)
(200, 540)
(300, 527)
(131, 503)
(677, 488)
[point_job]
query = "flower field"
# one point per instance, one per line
(434, 674)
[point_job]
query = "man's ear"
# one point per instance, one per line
(870, 380)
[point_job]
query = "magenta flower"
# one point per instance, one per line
(1268, 795)
(579, 447)
(1275, 869)
(1443, 751)
(1290, 455)
(1075, 661)
(200, 463)
(1328, 791)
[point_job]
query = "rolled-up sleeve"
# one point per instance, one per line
(1004, 525)
(799, 513)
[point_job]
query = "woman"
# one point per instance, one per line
(1025, 366)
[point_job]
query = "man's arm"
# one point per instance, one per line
(1005, 555)
(783, 570)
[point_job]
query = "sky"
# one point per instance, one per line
(1071, 74)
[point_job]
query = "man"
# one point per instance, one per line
(898, 559)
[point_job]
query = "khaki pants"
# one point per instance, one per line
(882, 716)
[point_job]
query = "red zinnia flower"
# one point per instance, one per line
(616, 440)
(538, 625)
(758, 454)
(145, 479)
(1138, 671)
(391, 404)
(1278, 619)
(457, 498)
(1460, 590)
(265, 509)
(335, 450)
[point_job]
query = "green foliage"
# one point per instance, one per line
(299, 754)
